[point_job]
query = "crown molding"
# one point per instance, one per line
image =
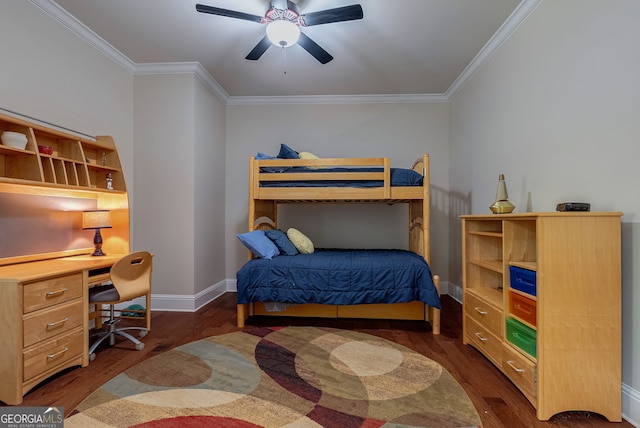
(52, 8)
(339, 99)
(183, 68)
(504, 32)
(517, 17)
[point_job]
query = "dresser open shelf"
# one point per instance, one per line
(554, 328)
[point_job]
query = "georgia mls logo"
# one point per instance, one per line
(55, 412)
(31, 417)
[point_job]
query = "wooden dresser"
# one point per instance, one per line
(542, 301)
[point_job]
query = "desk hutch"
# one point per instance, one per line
(43, 294)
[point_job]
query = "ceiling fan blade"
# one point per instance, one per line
(228, 13)
(346, 13)
(260, 48)
(314, 49)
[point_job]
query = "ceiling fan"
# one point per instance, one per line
(284, 20)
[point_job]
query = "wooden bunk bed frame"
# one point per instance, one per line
(263, 214)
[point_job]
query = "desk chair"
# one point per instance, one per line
(131, 278)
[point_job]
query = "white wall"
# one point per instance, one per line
(556, 109)
(56, 76)
(48, 73)
(402, 132)
(164, 181)
(179, 179)
(209, 177)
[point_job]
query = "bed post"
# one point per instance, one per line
(419, 224)
(426, 230)
(242, 313)
(434, 313)
(252, 202)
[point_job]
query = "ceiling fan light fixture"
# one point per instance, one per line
(283, 33)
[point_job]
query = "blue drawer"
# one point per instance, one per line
(523, 280)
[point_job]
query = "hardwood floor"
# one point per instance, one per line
(498, 402)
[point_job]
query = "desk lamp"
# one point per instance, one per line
(96, 219)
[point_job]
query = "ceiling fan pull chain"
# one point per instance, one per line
(284, 59)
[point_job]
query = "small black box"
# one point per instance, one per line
(573, 206)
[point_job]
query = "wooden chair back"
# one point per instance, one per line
(131, 275)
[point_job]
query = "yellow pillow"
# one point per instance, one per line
(307, 155)
(300, 241)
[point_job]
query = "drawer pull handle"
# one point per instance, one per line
(57, 323)
(56, 293)
(480, 311)
(513, 366)
(481, 337)
(57, 354)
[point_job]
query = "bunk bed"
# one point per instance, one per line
(275, 181)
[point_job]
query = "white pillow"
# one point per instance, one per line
(300, 241)
(307, 155)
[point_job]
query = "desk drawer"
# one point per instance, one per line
(45, 324)
(484, 314)
(519, 369)
(485, 341)
(49, 292)
(52, 353)
(99, 279)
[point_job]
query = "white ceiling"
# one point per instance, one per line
(400, 47)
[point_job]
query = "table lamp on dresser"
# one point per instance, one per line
(96, 219)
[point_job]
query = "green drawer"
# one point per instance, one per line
(522, 336)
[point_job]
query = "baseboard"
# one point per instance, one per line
(631, 405)
(186, 303)
(454, 291)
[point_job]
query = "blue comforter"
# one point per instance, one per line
(399, 177)
(339, 277)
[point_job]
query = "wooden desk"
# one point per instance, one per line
(44, 319)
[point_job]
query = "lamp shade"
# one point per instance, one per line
(96, 219)
(283, 33)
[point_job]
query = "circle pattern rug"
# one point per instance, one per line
(281, 377)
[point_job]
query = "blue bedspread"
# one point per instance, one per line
(338, 277)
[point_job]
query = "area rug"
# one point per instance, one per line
(281, 377)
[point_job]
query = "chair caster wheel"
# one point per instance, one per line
(140, 346)
(92, 356)
(143, 333)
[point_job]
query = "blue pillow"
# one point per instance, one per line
(258, 243)
(405, 177)
(282, 242)
(287, 152)
(261, 156)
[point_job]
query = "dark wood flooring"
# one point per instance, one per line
(497, 400)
